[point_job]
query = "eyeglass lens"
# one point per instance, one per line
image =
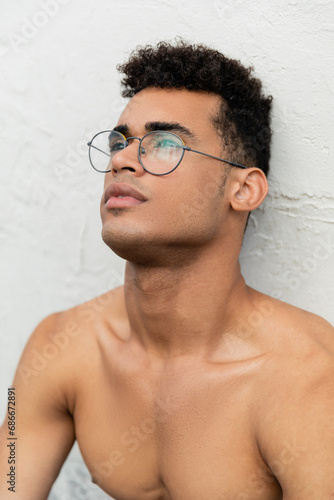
(160, 152)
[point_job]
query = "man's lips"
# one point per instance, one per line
(122, 195)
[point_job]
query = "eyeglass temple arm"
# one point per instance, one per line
(91, 146)
(186, 148)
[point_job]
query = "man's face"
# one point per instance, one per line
(185, 208)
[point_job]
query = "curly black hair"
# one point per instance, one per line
(243, 119)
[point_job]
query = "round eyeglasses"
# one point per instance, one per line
(159, 152)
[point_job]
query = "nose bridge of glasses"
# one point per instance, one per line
(127, 139)
(140, 150)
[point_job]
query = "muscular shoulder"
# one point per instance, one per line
(299, 333)
(286, 327)
(300, 348)
(296, 405)
(299, 367)
(62, 344)
(43, 370)
(80, 322)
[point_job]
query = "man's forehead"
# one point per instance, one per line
(170, 106)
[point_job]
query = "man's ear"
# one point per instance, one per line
(249, 189)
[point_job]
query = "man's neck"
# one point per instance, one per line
(174, 311)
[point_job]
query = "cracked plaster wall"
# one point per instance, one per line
(59, 85)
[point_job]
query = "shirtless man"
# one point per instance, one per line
(185, 384)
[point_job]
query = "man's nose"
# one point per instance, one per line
(127, 159)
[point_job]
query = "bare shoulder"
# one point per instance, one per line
(42, 371)
(295, 403)
(80, 323)
(290, 329)
(300, 352)
(298, 369)
(304, 354)
(62, 342)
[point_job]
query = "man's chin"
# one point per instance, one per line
(133, 247)
(140, 249)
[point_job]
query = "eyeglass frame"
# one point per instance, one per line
(126, 139)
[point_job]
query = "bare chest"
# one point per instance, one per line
(188, 438)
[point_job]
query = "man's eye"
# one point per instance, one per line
(166, 143)
(116, 146)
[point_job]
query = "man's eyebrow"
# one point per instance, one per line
(152, 126)
(122, 129)
(169, 127)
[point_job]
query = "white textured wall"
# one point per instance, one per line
(59, 85)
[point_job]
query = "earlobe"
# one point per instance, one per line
(250, 189)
